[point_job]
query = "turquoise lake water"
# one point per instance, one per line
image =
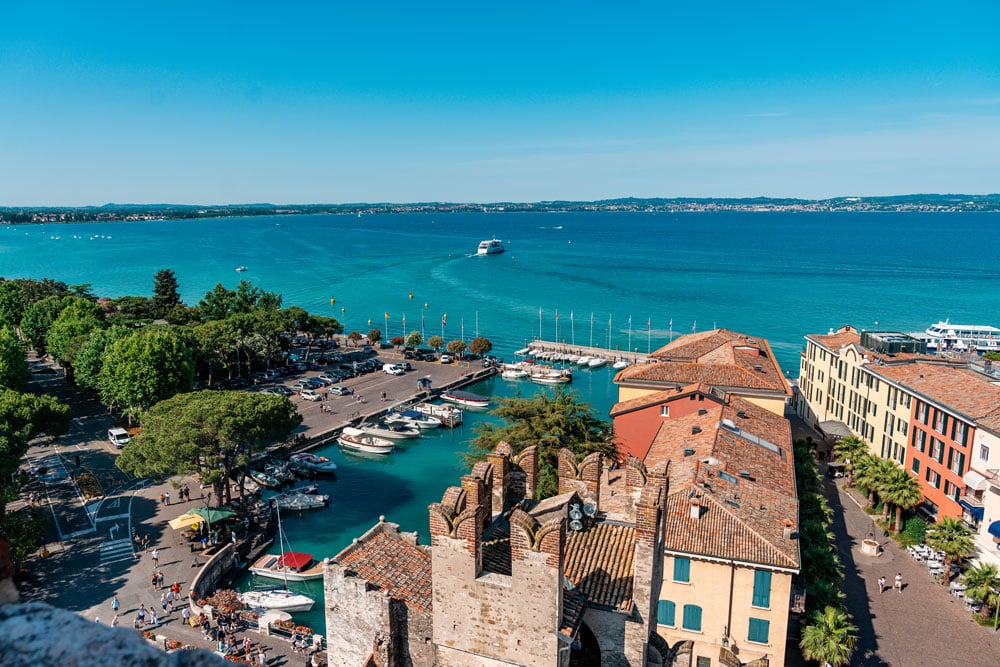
(777, 275)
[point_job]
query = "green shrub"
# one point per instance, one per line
(915, 528)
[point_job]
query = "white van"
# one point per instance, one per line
(393, 369)
(118, 437)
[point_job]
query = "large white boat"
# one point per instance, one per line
(280, 599)
(490, 247)
(446, 414)
(963, 337)
(288, 566)
(359, 441)
(393, 431)
(413, 418)
(313, 462)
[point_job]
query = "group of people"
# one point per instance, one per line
(896, 584)
(183, 493)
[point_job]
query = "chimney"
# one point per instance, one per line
(788, 529)
(527, 461)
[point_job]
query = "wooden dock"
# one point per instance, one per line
(584, 351)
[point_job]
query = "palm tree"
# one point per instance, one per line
(831, 638)
(952, 537)
(867, 473)
(850, 450)
(982, 583)
(900, 490)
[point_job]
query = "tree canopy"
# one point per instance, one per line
(435, 342)
(209, 432)
(830, 638)
(69, 331)
(550, 422)
(150, 365)
(413, 339)
(456, 347)
(23, 417)
(14, 372)
(480, 345)
(165, 294)
(39, 316)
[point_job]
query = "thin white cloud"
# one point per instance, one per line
(769, 114)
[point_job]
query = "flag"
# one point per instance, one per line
(671, 323)
(557, 313)
(649, 323)
(387, 316)
(571, 316)
(369, 321)
(694, 325)
(592, 319)
(444, 319)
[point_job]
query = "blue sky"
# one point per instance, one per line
(302, 102)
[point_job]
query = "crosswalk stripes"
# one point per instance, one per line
(113, 551)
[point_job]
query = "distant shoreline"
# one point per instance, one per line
(149, 212)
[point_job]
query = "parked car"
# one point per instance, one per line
(302, 385)
(445, 359)
(328, 378)
(311, 395)
(118, 437)
(341, 390)
(405, 365)
(392, 369)
(323, 381)
(280, 390)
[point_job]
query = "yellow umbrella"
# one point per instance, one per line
(184, 521)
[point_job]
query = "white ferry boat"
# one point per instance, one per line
(490, 247)
(964, 337)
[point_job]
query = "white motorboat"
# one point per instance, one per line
(618, 365)
(573, 358)
(583, 361)
(395, 431)
(492, 246)
(280, 599)
(597, 362)
(513, 374)
(414, 418)
(241, 269)
(356, 439)
(313, 462)
(301, 498)
(551, 378)
(446, 414)
(524, 351)
(466, 398)
(288, 565)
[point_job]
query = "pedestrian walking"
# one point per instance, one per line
(140, 615)
(159, 579)
(186, 615)
(115, 605)
(154, 621)
(138, 541)
(145, 542)
(156, 557)
(261, 658)
(208, 496)
(114, 620)
(152, 580)
(166, 498)
(175, 588)
(881, 585)
(163, 602)
(898, 583)
(162, 498)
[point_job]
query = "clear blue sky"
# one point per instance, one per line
(328, 102)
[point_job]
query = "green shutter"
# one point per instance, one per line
(692, 617)
(759, 629)
(762, 588)
(666, 612)
(682, 569)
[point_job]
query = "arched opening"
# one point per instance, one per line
(589, 653)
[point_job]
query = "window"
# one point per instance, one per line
(703, 662)
(665, 613)
(934, 478)
(937, 450)
(682, 570)
(984, 453)
(664, 410)
(692, 617)
(919, 440)
(961, 433)
(922, 413)
(758, 630)
(761, 589)
(915, 465)
(957, 462)
(941, 422)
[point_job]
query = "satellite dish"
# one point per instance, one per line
(575, 525)
(590, 509)
(575, 513)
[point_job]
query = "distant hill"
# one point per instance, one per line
(119, 212)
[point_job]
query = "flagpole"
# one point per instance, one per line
(572, 329)
(557, 325)
(591, 328)
(629, 333)
(477, 324)
(539, 323)
(609, 331)
(649, 334)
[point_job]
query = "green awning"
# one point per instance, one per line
(214, 514)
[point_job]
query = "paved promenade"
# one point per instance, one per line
(923, 625)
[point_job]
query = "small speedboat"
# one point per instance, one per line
(357, 440)
(618, 365)
(524, 351)
(414, 418)
(551, 378)
(513, 374)
(280, 599)
(446, 414)
(313, 462)
(583, 361)
(466, 398)
(597, 362)
(241, 269)
(392, 431)
(301, 501)
(265, 480)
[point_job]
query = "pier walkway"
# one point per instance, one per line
(585, 351)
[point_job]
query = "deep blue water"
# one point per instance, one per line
(777, 275)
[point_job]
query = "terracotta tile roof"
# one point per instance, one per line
(657, 397)
(390, 563)
(745, 505)
(599, 563)
(742, 533)
(835, 341)
(960, 389)
(719, 358)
